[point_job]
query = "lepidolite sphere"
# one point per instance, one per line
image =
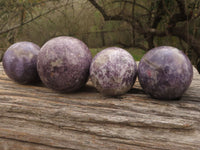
(113, 71)
(63, 64)
(165, 73)
(20, 62)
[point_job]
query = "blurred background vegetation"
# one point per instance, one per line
(136, 25)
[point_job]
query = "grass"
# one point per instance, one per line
(136, 53)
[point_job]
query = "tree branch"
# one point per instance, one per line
(181, 5)
(131, 2)
(155, 32)
(159, 14)
(106, 16)
(181, 16)
(188, 38)
(136, 45)
(26, 22)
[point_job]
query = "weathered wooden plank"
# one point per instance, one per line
(35, 117)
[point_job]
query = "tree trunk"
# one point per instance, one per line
(34, 117)
(133, 24)
(183, 33)
(150, 39)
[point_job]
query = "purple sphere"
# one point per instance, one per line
(63, 64)
(165, 73)
(113, 71)
(19, 62)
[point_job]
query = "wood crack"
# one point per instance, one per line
(34, 143)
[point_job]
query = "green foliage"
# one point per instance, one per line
(135, 52)
(94, 51)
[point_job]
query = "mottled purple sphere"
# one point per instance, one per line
(20, 62)
(63, 64)
(113, 71)
(165, 73)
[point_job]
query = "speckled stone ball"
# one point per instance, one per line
(113, 71)
(63, 64)
(19, 62)
(165, 73)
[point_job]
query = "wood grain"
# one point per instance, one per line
(36, 118)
